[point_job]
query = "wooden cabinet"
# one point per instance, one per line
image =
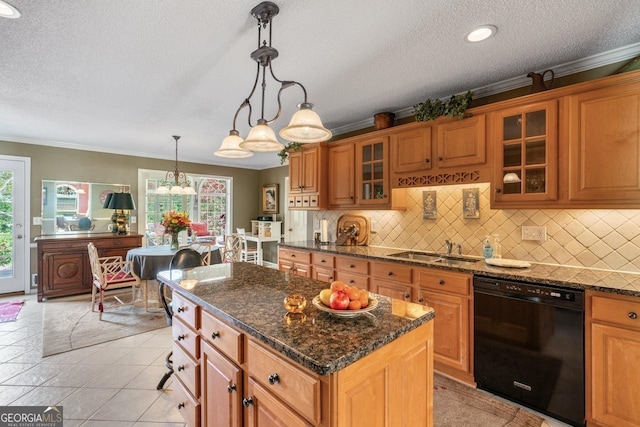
(323, 266)
(342, 176)
(525, 140)
(461, 142)
(353, 271)
(613, 360)
(604, 145)
(392, 279)
(294, 261)
(411, 149)
(306, 177)
(63, 261)
(450, 294)
(372, 171)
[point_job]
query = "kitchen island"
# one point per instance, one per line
(239, 356)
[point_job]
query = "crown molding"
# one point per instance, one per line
(594, 61)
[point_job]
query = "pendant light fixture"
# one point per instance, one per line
(180, 181)
(305, 125)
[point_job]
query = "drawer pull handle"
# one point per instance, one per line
(180, 309)
(247, 401)
(180, 405)
(407, 296)
(440, 282)
(273, 379)
(390, 273)
(293, 255)
(633, 315)
(180, 337)
(420, 299)
(215, 335)
(331, 278)
(231, 388)
(180, 368)
(322, 260)
(352, 281)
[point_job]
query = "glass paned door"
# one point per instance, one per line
(13, 236)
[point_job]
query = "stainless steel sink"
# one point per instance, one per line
(433, 257)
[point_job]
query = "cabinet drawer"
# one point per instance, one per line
(293, 255)
(390, 271)
(185, 310)
(187, 405)
(323, 260)
(444, 281)
(187, 369)
(353, 279)
(221, 336)
(288, 382)
(621, 311)
(353, 265)
(186, 338)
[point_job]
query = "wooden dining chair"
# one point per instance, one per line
(248, 253)
(109, 273)
(232, 248)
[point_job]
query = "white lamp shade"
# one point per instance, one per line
(163, 189)
(176, 189)
(189, 191)
(261, 138)
(230, 148)
(305, 127)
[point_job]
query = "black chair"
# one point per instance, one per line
(184, 258)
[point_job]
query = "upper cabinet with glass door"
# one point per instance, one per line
(525, 144)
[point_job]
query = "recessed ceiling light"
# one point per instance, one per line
(8, 11)
(481, 33)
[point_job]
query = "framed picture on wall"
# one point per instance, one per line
(270, 199)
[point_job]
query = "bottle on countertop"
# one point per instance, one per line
(497, 246)
(487, 249)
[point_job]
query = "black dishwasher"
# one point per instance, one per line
(529, 345)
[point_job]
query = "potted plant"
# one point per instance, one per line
(456, 106)
(284, 153)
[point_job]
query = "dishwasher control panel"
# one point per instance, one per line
(528, 290)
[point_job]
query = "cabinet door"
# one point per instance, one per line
(341, 175)
(526, 154)
(295, 172)
(323, 274)
(615, 371)
(604, 144)
(309, 171)
(66, 272)
(372, 172)
(462, 142)
(451, 329)
(411, 150)
(265, 410)
(221, 390)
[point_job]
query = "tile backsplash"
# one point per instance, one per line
(596, 238)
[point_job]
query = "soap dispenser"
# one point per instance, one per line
(487, 249)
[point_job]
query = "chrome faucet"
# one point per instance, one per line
(448, 244)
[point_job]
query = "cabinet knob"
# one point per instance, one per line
(231, 388)
(273, 378)
(407, 296)
(215, 335)
(180, 405)
(322, 260)
(390, 273)
(633, 315)
(247, 401)
(180, 337)
(439, 159)
(420, 299)
(351, 197)
(331, 278)
(427, 160)
(352, 266)
(352, 281)
(180, 368)
(441, 282)
(293, 255)
(180, 309)
(498, 190)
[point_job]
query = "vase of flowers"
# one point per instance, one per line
(175, 222)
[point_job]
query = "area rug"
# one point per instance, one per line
(9, 310)
(456, 404)
(69, 323)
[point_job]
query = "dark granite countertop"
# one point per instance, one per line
(250, 297)
(617, 282)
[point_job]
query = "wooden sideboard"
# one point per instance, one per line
(63, 260)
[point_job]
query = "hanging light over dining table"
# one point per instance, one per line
(305, 125)
(177, 182)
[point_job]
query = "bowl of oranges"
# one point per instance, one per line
(343, 300)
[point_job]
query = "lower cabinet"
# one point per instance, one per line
(613, 360)
(323, 266)
(294, 261)
(241, 382)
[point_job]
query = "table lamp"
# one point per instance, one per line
(120, 202)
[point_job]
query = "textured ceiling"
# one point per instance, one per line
(123, 76)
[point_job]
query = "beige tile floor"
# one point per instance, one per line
(111, 384)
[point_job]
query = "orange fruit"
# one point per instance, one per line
(363, 298)
(354, 305)
(353, 293)
(337, 285)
